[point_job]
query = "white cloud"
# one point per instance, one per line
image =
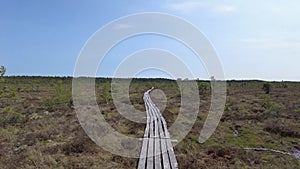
(270, 47)
(224, 8)
(279, 45)
(191, 6)
(185, 7)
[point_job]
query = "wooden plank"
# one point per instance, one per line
(164, 151)
(169, 145)
(143, 155)
(144, 150)
(157, 150)
(165, 158)
(171, 153)
(150, 156)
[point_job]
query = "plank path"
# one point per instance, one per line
(157, 150)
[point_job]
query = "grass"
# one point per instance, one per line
(39, 127)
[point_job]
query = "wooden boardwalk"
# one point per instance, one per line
(157, 150)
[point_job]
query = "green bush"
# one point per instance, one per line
(297, 110)
(204, 88)
(61, 97)
(8, 117)
(2, 72)
(271, 108)
(267, 87)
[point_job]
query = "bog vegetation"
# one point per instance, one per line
(39, 128)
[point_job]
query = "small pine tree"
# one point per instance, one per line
(204, 87)
(267, 87)
(2, 71)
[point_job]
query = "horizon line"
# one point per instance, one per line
(164, 78)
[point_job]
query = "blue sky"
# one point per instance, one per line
(254, 39)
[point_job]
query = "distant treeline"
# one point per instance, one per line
(134, 79)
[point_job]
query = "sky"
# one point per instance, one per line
(254, 39)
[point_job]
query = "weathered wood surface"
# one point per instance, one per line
(157, 150)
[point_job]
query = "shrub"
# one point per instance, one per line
(60, 98)
(297, 110)
(218, 150)
(10, 117)
(267, 87)
(282, 128)
(271, 108)
(80, 144)
(204, 87)
(2, 71)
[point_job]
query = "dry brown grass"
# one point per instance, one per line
(39, 128)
